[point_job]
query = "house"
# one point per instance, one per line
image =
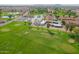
(49, 17)
(70, 20)
(66, 18)
(38, 17)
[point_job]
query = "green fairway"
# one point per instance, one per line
(17, 38)
(8, 16)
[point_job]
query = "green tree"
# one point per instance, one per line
(59, 12)
(38, 11)
(0, 13)
(10, 16)
(48, 24)
(69, 27)
(29, 25)
(76, 30)
(75, 34)
(71, 13)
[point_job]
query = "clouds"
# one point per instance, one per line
(39, 2)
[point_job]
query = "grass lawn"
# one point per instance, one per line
(7, 19)
(16, 38)
(6, 14)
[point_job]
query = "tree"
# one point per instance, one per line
(75, 34)
(38, 11)
(59, 12)
(10, 16)
(63, 22)
(48, 24)
(76, 30)
(29, 24)
(66, 27)
(71, 13)
(0, 13)
(69, 27)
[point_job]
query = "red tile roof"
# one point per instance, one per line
(49, 17)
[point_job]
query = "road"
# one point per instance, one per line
(22, 18)
(18, 18)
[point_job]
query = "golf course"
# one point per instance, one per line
(17, 38)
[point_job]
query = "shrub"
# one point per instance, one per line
(76, 30)
(63, 22)
(66, 27)
(71, 26)
(75, 34)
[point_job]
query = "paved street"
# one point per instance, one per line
(18, 18)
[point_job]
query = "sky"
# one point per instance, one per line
(29, 2)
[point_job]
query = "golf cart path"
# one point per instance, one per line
(8, 22)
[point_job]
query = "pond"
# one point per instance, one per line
(6, 17)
